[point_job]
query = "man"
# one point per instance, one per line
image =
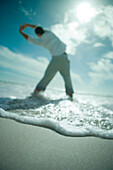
(59, 61)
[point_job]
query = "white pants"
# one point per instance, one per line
(61, 64)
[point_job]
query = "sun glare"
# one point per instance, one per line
(85, 12)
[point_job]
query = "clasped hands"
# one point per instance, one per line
(22, 27)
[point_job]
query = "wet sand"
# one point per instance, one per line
(27, 147)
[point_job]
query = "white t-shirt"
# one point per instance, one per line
(51, 42)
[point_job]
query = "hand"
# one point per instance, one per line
(21, 28)
(25, 25)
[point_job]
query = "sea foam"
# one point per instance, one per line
(87, 115)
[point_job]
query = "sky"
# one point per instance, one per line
(85, 26)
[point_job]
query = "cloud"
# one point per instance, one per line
(102, 70)
(98, 44)
(71, 34)
(30, 13)
(109, 55)
(27, 13)
(103, 24)
(21, 63)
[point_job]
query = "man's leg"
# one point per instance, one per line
(65, 72)
(49, 74)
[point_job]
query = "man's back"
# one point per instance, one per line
(51, 42)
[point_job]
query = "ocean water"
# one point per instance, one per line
(86, 115)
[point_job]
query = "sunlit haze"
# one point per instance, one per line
(85, 12)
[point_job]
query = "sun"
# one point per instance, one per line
(85, 12)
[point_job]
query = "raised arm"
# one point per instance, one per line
(29, 25)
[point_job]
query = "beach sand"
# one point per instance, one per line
(27, 147)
